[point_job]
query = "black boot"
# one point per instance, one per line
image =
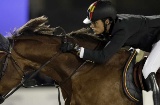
(152, 85)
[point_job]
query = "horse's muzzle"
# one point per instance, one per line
(1, 99)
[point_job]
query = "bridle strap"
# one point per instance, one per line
(62, 82)
(30, 77)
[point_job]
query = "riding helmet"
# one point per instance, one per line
(100, 9)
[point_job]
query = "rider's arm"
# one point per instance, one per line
(101, 56)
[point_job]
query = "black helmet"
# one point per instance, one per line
(99, 10)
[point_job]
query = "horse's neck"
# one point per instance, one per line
(36, 50)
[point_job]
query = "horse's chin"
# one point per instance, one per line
(1, 99)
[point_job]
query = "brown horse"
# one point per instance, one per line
(33, 47)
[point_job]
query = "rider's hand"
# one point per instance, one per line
(67, 47)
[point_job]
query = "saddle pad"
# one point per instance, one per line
(129, 87)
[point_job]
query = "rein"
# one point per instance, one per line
(64, 40)
(73, 73)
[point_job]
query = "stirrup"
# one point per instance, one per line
(152, 85)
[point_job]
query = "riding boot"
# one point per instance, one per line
(152, 85)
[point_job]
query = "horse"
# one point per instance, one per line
(36, 48)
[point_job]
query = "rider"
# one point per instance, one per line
(136, 31)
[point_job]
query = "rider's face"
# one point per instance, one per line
(97, 27)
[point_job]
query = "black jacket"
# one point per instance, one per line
(136, 31)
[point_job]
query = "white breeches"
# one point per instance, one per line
(152, 63)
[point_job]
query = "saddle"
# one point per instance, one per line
(133, 81)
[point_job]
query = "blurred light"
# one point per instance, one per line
(13, 14)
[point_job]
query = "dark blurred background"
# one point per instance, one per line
(69, 14)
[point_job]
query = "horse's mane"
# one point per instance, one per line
(36, 26)
(83, 33)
